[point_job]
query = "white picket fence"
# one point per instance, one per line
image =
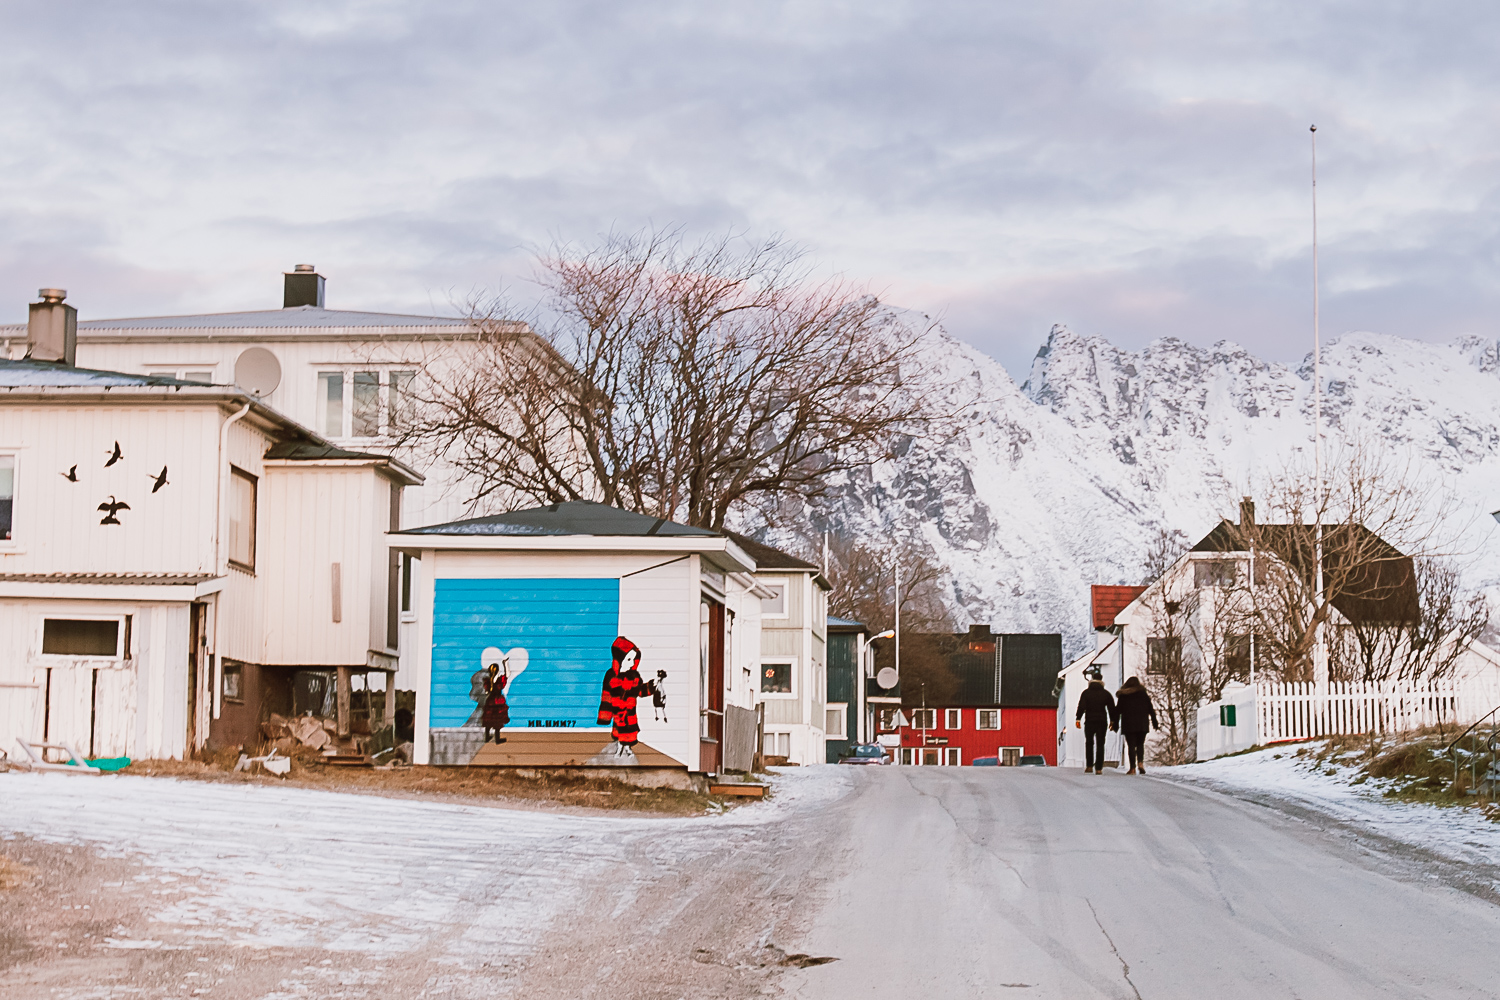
(1295, 711)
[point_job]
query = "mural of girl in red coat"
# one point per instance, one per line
(487, 689)
(622, 686)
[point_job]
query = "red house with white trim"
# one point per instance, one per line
(1000, 702)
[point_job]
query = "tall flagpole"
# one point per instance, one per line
(1320, 652)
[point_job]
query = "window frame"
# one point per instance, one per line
(953, 720)
(385, 398)
(235, 669)
(785, 584)
(916, 715)
(795, 690)
(841, 709)
(254, 481)
(1173, 642)
(1212, 573)
(953, 756)
(122, 637)
(14, 454)
(181, 372)
(979, 717)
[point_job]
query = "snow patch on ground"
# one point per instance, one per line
(1459, 834)
(269, 866)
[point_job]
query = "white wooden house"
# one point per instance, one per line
(341, 373)
(170, 550)
(544, 593)
(793, 675)
(1181, 620)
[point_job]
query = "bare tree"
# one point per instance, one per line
(1174, 679)
(685, 382)
(1390, 605)
(1427, 648)
(1164, 549)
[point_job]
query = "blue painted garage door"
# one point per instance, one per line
(565, 626)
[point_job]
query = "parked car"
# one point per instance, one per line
(986, 762)
(1033, 760)
(866, 753)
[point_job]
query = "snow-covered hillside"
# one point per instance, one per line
(1037, 491)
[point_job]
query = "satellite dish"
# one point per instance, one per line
(887, 678)
(257, 371)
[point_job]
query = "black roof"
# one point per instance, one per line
(765, 556)
(574, 517)
(312, 451)
(980, 668)
(1378, 583)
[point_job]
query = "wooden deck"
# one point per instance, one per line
(560, 748)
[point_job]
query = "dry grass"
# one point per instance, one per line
(1413, 767)
(13, 874)
(495, 785)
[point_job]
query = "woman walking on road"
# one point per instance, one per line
(1137, 718)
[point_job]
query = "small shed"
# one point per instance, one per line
(541, 596)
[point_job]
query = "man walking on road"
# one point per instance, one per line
(1096, 713)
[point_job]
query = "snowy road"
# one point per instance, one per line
(970, 882)
(949, 882)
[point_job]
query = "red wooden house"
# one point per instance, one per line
(998, 702)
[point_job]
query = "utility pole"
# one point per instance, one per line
(1320, 649)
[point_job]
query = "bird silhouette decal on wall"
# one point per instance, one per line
(111, 508)
(114, 456)
(71, 475)
(159, 480)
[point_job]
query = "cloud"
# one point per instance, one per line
(1135, 170)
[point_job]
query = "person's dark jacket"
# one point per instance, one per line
(1134, 709)
(1096, 706)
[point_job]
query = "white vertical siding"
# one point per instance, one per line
(652, 616)
(317, 516)
(57, 527)
(136, 707)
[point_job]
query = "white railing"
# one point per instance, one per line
(1295, 711)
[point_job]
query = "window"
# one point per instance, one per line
(1237, 657)
(774, 607)
(200, 373)
(1010, 756)
(930, 758)
(242, 488)
(1163, 654)
(366, 410)
(776, 678)
(890, 720)
(81, 637)
(331, 404)
(1214, 573)
(833, 722)
(406, 583)
(924, 718)
(7, 494)
(351, 403)
(778, 745)
(953, 718)
(399, 402)
(906, 756)
(954, 755)
(987, 718)
(234, 679)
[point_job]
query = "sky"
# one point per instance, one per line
(1135, 170)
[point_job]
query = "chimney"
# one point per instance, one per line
(52, 329)
(304, 287)
(1247, 512)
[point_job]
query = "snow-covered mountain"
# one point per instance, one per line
(1034, 492)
